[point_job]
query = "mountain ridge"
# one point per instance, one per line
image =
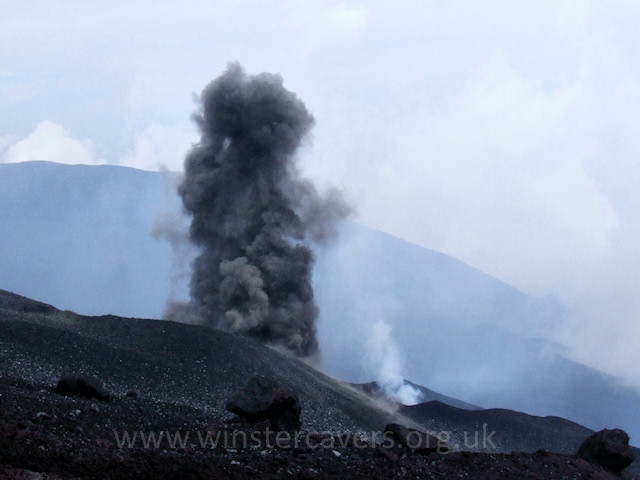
(79, 237)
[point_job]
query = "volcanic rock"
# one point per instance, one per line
(264, 399)
(609, 449)
(386, 453)
(74, 386)
(416, 440)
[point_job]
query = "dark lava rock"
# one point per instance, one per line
(386, 453)
(609, 449)
(74, 386)
(263, 399)
(416, 440)
(263, 426)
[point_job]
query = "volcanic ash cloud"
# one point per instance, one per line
(253, 216)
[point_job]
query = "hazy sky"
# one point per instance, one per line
(504, 133)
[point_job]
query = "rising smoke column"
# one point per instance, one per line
(252, 214)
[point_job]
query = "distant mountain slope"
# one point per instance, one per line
(79, 237)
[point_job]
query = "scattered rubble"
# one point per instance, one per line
(415, 440)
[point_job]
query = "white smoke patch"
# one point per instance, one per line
(171, 225)
(384, 361)
(50, 142)
(181, 312)
(160, 147)
(359, 311)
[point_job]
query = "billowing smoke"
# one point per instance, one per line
(252, 214)
(384, 360)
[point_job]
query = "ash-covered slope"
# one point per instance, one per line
(168, 362)
(513, 430)
(186, 373)
(502, 429)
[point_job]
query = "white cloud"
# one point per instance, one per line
(51, 142)
(497, 174)
(5, 142)
(501, 174)
(317, 25)
(158, 147)
(348, 17)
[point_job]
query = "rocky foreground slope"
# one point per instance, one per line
(166, 418)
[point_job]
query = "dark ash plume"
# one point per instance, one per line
(252, 214)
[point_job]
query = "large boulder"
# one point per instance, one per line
(80, 386)
(415, 440)
(264, 399)
(609, 449)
